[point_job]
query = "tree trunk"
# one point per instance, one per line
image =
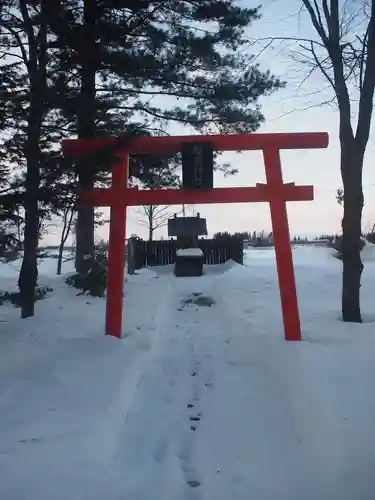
(29, 269)
(67, 226)
(85, 225)
(351, 167)
(151, 211)
(86, 128)
(59, 260)
(37, 76)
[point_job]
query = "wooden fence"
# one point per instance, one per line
(163, 252)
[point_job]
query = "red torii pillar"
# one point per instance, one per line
(118, 197)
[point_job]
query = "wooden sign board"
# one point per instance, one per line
(197, 165)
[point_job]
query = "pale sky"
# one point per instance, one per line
(288, 110)
(320, 168)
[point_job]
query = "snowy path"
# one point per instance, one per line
(210, 420)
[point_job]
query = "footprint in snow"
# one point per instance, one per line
(193, 483)
(195, 419)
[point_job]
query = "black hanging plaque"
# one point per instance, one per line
(197, 165)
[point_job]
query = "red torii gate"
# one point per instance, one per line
(119, 196)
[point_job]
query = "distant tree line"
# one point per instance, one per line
(265, 239)
(253, 238)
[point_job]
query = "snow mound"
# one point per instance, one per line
(368, 252)
(221, 269)
(189, 252)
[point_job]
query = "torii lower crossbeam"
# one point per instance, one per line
(118, 197)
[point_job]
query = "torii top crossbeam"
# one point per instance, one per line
(229, 142)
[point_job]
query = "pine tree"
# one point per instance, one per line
(155, 62)
(27, 32)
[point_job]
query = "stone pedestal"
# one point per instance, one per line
(189, 262)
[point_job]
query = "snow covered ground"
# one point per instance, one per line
(201, 400)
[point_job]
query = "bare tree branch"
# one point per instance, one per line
(320, 64)
(316, 20)
(368, 86)
(362, 59)
(22, 46)
(156, 216)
